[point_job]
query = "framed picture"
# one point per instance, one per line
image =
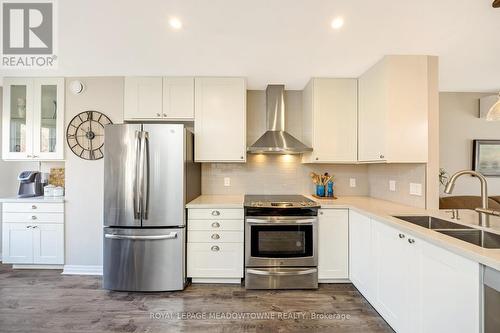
(486, 157)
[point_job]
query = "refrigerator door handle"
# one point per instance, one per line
(136, 184)
(145, 175)
(171, 235)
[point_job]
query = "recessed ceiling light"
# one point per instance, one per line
(337, 23)
(175, 23)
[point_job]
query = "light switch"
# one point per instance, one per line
(392, 185)
(227, 181)
(416, 189)
(352, 182)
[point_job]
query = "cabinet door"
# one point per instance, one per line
(48, 120)
(215, 260)
(220, 120)
(178, 98)
(48, 243)
(390, 255)
(335, 121)
(17, 243)
(143, 98)
(17, 133)
(333, 244)
(373, 108)
(444, 291)
(361, 271)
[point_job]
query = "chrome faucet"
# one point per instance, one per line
(484, 219)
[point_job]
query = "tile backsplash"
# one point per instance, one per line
(285, 174)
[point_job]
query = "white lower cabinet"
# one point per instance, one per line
(333, 245)
(215, 245)
(31, 235)
(415, 286)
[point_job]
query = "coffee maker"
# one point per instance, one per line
(30, 184)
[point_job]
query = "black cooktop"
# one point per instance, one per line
(279, 201)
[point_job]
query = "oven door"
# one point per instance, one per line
(281, 241)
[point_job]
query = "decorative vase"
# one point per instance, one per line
(320, 190)
(329, 190)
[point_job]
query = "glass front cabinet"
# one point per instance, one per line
(33, 119)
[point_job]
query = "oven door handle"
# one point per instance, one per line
(282, 273)
(268, 220)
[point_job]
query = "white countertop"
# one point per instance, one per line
(384, 211)
(34, 199)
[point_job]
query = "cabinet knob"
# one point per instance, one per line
(215, 248)
(411, 241)
(215, 225)
(215, 236)
(33, 217)
(215, 213)
(241, 157)
(158, 114)
(33, 207)
(401, 236)
(320, 213)
(317, 158)
(164, 115)
(382, 156)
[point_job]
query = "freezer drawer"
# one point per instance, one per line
(144, 259)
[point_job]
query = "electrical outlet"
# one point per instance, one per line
(352, 182)
(227, 181)
(416, 189)
(392, 185)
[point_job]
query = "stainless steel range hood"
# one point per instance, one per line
(275, 139)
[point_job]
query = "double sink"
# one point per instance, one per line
(467, 234)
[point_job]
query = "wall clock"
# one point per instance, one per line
(85, 134)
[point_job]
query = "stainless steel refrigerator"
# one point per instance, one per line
(149, 176)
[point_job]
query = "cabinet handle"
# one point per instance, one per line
(215, 225)
(34, 226)
(158, 114)
(215, 236)
(215, 213)
(215, 248)
(28, 226)
(33, 217)
(320, 213)
(411, 241)
(30, 156)
(401, 236)
(164, 115)
(33, 207)
(35, 156)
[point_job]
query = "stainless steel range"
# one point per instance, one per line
(281, 242)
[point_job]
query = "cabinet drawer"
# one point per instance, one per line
(215, 214)
(215, 260)
(33, 217)
(18, 207)
(214, 225)
(215, 236)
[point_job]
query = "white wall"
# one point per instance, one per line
(84, 179)
(459, 125)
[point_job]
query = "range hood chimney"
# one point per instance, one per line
(275, 139)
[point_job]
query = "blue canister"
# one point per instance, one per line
(329, 190)
(320, 190)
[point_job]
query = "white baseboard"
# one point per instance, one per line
(334, 281)
(82, 270)
(36, 266)
(216, 280)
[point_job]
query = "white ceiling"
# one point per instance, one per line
(278, 41)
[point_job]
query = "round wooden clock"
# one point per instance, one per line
(85, 134)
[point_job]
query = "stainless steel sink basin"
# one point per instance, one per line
(430, 222)
(477, 237)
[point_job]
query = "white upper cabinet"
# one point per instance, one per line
(178, 98)
(220, 120)
(330, 120)
(159, 98)
(33, 119)
(396, 97)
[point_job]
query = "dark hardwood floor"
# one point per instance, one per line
(46, 301)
